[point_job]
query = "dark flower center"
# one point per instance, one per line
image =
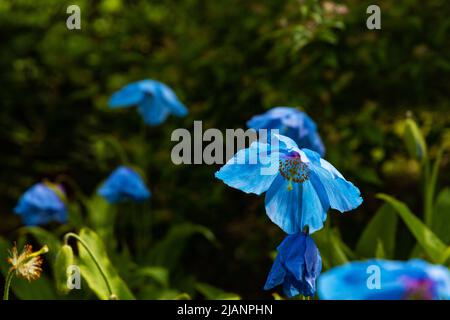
(419, 289)
(293, 169)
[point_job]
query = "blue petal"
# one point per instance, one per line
(314, 213)
(170, 98)
(313, 263)
(292, 287)
(342, 194)
(292, 252)
(350, 280)
(245, 171)
(129, 95)
(282, 205)
(122, 185)
(263, 122)
(40, 205)
(276, 275)
(153, 111)
(285, 144)
(292, 123)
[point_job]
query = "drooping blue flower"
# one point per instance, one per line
(154, 99)
(385, 280)
(124, 184)
(297, 266)
(292, 123)
(300, 185)
(41, 204)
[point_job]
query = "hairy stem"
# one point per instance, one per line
(8, 284)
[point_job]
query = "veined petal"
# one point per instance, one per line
(293, 256)
(312, 156)
(282, 205)
(330, 168)
(313, 212)
(342, 194)
(285, 144)
(313, 263)
(251, 170)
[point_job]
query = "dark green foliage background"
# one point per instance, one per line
(227, 60)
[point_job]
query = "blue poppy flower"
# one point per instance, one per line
(292, 123)
(300, 185)
(297, 266)
(154, 99)
(40, 205)
(397, 280)
(124, 184)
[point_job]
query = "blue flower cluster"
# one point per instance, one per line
(44, 202)
(300, 188)
(291, 123)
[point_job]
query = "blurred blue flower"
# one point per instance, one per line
(300, 185)
(292, 123)
(297, 266)
(41, 204)
(154, 99)
(398, 280)
(124, 184)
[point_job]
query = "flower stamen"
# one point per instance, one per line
(27, 264)
(293, 169)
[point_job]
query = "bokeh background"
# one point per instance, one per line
(227, 61)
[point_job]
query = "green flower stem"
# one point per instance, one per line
(8, 284)
(99, 267)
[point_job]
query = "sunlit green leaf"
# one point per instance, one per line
(213, 293)
(159, 274)
(441, 216)
(432, 245)
(167, 252)
(91, 273)
(382, 227)
(63, 260)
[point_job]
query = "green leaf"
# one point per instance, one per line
(213, 293)
(167, 252)
(441, 216)
(330, 247)
(159, 274)
(414, 140)
(63, 260)
(90, 272)
(379, 251)
(432, 245)
(40, 289)
(381, 228)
